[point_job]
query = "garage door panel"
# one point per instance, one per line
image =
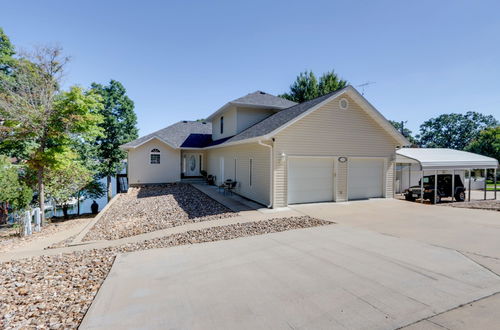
(310, 180)
(365, 178)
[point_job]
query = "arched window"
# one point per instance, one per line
(155, 156)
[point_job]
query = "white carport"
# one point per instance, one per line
(442, 159)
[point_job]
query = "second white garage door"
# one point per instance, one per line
(310, 180)
(365, 178)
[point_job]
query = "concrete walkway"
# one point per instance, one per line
(247, 215)
(332, 277)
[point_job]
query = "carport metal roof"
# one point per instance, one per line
(444, 159)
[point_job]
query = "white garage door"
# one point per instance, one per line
(365, 178)
(310, 180)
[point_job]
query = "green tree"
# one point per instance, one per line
(13, 190)
(307, 87)
(406, 132)
(6, 53)
(36, 110)
(93, 190)
(66, 180)
(119, 127)
(487, 143)
(454, 130)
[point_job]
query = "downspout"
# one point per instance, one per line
(271, 177)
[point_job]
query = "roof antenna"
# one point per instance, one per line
(364, 85)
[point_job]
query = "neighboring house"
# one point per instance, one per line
(336, 147)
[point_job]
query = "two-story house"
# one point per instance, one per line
(336, 147)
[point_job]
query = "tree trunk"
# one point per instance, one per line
(41, 194)
(110, 188)
(78, 203)
(65, 211)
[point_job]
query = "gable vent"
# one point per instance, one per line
(343, 103)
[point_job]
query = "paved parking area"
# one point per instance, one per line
(466, 230)
(328, 277)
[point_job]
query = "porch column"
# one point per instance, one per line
(435, 186)
(470, 178)
(422, 187)
(453, 186)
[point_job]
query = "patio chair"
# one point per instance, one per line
(211, 179)
(230, 186)
(223, 186)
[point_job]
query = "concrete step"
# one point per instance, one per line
(193, 180)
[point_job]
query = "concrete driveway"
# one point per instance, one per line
(326, 277)
(473, 232)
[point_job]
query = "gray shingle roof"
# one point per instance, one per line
(175, 134)
(259, 98)
(279, 119)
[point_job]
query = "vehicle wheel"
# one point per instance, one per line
(437, 201)
(460, 197)
(409, 198)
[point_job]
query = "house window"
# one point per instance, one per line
(222, 125)
(155, 156)
(250, 172)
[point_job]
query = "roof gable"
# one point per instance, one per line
(279, 121)
(256, 99)
(174, 135)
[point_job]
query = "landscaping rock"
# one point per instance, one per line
(56, 291)
(492, 205)
(151, 208)
(10, 241)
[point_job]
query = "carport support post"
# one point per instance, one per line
(485, 185)
(435, 186)
(495, 181)
(409, 177)
(453, 186)
(422, 187)
(470, 178)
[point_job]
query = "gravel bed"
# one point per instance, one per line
(8, 240)
(56, 291)
(146, 209)
(491, 205)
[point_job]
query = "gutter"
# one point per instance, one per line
(271, 177)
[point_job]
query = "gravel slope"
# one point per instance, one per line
(56, 291)
(9, 242)
(152, 208)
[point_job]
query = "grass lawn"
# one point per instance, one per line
(491, 187)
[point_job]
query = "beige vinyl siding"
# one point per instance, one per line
(341, 193)
(259, 191)
(247, 117)
(331, 131)
(140, 171)
(229, 124)
(389, 178)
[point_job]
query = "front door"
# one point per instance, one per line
(193, 164)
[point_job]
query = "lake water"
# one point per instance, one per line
(85, 204)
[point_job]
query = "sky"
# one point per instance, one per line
(182, 60)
